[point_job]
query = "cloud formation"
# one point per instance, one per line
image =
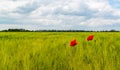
(60, 14)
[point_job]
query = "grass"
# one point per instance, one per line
(51, 51)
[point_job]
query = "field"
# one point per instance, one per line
(52, 51)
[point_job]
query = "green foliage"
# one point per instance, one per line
(51, 51)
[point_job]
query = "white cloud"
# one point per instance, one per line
(59, 13)
(116, 12)
(9, 6)
(18, 26)
(96, 22)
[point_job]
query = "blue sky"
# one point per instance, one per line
(60, 14)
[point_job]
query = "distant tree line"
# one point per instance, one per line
(15, 30)
(24, 30)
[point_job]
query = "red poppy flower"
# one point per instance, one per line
(73, 43)
(90, 37)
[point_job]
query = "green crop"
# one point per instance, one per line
(52, 51)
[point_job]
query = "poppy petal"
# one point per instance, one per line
(90, 37)
(73, 43)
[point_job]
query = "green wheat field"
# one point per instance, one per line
(52, 51)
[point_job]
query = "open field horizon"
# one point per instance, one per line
(59, 34)
(52, 51)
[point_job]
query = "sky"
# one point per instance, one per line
(60, 14)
